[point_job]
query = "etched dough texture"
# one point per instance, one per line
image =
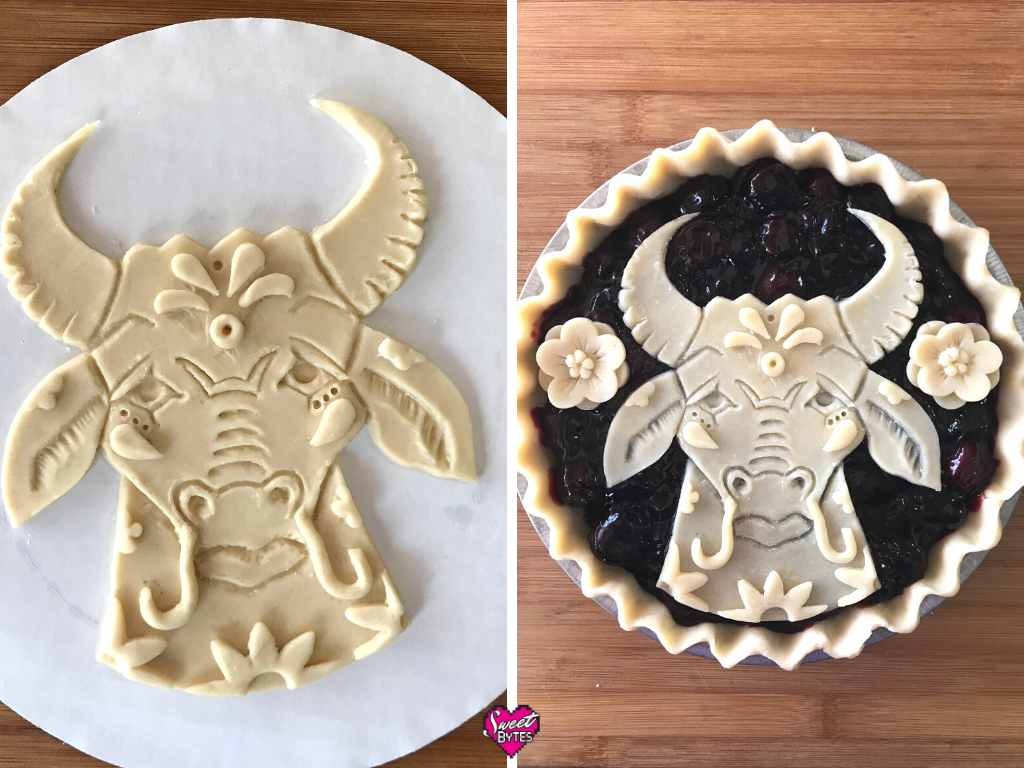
(222, 383)
(767, 401)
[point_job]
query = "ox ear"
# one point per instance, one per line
(54, 438)
(417, 415)
(901, 438)
(643, 428)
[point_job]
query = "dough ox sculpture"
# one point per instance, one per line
(767, 401)
(222, 384)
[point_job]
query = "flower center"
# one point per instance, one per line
(954, 361)
(580, 365)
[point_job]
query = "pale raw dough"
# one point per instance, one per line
(222, 383)
(767, 401)
(844, 634)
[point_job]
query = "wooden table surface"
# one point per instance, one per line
(939, 86)
(463, 38)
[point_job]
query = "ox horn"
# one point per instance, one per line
(661, 319)
(880, 315)
(62, 283)
(369, 248)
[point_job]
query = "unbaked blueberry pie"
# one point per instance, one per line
(768, 397)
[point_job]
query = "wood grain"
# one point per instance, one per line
(466, 39)
(941, 87)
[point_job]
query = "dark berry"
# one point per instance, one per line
(826, 217)
(777, 281)
(968, 313)
(971, 467)
(696, 245)
(702, 193)
(616, 540)
(644, 222)
(773, 188)
(871, 198)
(780, 234)
(823, 184)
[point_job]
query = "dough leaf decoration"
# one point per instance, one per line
(240, 670)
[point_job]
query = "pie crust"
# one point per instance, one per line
(222, 383)
(844, 634)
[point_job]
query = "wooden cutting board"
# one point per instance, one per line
(464, 38)
(939, 86)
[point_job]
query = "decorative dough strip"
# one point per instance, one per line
(182, 612)
(721, 557)
(322, 563)
(821, 536)
(965, 247)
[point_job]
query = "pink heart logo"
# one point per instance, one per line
(511, 730)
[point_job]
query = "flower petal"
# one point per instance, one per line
(979, 332)
(578, 330)
(950, 402)
(956, 335)
(926, 350)
(566, 392)
(986, 357)
(551, 356)
(612, 352)
(603, 385)
(934, 381)
(622, 375)
(972, 386)
(913, 369)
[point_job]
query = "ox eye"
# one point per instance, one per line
(151, 393)
(826, 403)
(304, 377)
(715, 402)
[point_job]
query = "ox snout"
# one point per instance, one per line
(771, 506)
(247, 531)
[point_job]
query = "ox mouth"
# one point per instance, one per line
(772, 534)
(250, 568)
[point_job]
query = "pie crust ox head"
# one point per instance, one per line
(965, 247)
(222, 383)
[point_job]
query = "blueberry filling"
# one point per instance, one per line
(769, 231)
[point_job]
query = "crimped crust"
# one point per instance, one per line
(845, 634)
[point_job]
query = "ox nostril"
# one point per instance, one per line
(738, 482)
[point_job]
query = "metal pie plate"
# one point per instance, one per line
(853, 151)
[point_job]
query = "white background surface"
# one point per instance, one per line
(207, 127)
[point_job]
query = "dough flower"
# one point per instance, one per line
(955, 363)
(582, 364)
